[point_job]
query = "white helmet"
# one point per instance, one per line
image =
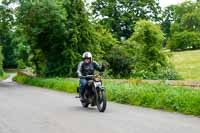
(87, 55)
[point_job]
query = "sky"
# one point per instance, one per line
(164, 3)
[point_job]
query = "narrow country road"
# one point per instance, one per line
(25, 109)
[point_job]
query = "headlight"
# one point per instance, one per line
(97, 84)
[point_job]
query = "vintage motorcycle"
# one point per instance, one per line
(95, 93)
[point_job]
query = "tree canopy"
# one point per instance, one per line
(120, 16)
(182, 26)
(49, 36)
(6, 32)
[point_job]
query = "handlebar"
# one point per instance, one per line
(91, 76)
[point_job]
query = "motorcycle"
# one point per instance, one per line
(95, 94)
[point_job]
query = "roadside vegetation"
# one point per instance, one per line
(4, 76)
(128, 42)
(157, 96)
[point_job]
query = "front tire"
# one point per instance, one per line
(101, 100)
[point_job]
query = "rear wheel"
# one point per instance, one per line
(101, 100)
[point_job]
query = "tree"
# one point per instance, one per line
(58, 33)
(22, 49)
(185, 30)
(43, 26)
(83, 35)
(104, 39)
(119, 16)
(183, 8)
(185, 40)
(166, 22)
(80, 34)
(6, 33)
(191, 21)
(146, 43)
(120, 62)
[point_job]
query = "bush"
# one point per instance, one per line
(120, 61)
(158, 96)
(149, 61)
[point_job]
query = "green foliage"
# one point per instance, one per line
(119, 16)
(120, 62)
(43, 25)
(141, 56)
(166, 22)
(6, 33)
(81, 35)
(146, 43)
(4, 76)
(1, 62)
(185, 30)
(104, 39)
(51, 35)
(55, 34)
(158, 96)
(52, 83)
(185, 40)
(22, 49)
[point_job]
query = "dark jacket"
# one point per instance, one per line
(88, 69)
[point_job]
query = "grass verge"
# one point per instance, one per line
(157, 96)
(5, 75)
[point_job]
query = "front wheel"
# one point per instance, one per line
(101, 100)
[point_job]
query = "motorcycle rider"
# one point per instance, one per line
(87, 67)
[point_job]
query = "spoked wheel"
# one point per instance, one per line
(101, 100)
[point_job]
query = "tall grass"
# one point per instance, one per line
(158, 96)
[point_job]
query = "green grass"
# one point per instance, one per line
(158, 96)
(187, 63)
(5, 75)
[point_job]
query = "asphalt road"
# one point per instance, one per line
(25, 109)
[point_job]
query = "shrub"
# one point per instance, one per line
(120, 61)
(149, 61)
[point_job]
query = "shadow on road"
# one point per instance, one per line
(81, 109)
